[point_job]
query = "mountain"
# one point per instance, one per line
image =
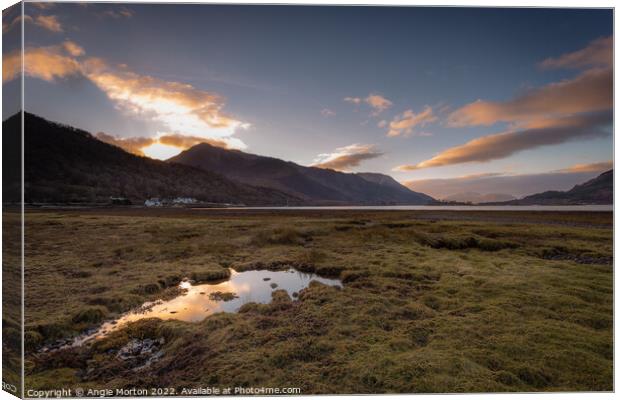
(599, 190)
(315, 186)
(65, 164)
(388, 182)
(476, 198)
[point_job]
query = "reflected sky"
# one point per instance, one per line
(195, 304)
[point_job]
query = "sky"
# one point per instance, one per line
(438, 98)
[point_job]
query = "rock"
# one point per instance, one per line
(267, 279)
(274, 285)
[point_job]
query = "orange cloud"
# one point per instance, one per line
(346, 157)
(378, 103)
(6, 27)
(593, 167)
(185, 142)
(598, 53)
(49, 22)
(407, 121)
(179, 106)
(138, 145)
(592, 90)
(72, 48)
(47, 63)
(504, 144)
(131, 145)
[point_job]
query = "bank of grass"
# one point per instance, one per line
(428, 305)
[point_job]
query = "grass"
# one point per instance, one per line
(467, 302)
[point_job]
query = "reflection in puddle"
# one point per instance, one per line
(199, 301)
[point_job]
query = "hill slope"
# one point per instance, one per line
(599, 190)
(314, 185)
(64, 164)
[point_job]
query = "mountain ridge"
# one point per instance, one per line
(598, 190)
(65, 165)
(313, 185)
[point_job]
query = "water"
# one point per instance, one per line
(195, 303)
(585, 207)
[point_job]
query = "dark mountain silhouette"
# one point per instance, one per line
(599, 190)
(314, 185)
(64, 164)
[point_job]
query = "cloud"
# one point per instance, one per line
(597, 54)
(378, 103)
(49, 22)
(72, 48)
(46, 63)
(326, 112)
(42, 5)
(594, 167)
(132, 145)
(590, 91)
(572, 109)
(346, 157)
(501, 145)
(137, 145)
(407, 121)
(6, 27)
(518, 185)
(122, 12)
(180, 108)
(185, 142)
(354, 100)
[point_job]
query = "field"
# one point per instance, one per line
(431, 301)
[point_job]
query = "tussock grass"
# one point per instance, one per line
(431, 303)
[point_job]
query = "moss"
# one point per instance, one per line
(90, 315)
(32, 339)
(222, 296)
(214, 273)
(149, 288)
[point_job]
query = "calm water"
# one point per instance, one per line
(439, 208)
(195, 304)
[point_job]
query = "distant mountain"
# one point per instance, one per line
(65, 164)
(314, 185)
(599, 190)
(476, 198)
(388, 182)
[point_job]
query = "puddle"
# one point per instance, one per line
(199, 301)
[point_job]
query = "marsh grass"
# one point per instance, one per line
(428, 304)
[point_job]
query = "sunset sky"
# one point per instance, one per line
(448, 99)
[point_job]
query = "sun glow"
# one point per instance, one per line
(160, 151)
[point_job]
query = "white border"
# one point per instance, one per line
(443, 3)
